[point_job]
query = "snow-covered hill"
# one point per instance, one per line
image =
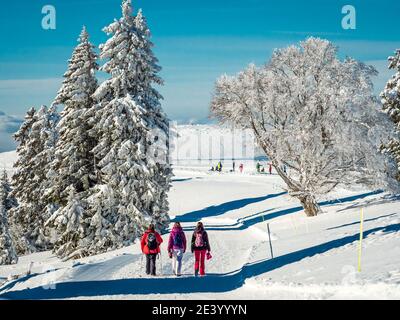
(212, 142)
(7, 160)
(314, 258)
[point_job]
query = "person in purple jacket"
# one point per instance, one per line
(177, 247)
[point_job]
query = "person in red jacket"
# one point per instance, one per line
(150, 243)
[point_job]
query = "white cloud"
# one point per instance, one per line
(8, 126)
(18, 95)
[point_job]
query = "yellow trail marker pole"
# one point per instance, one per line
(361, 239)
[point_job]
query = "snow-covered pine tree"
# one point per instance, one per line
(73, 166)
(5, 192)
(21, 174)
(7, 250)
(391, 105)
(133, 190)
(73, 170)
(36, 137)
(158, 136)
(70, 223)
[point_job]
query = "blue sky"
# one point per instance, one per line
(195, 41)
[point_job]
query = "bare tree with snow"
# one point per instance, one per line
(313, 113)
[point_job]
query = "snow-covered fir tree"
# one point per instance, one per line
(70, 223)
(128, 120)
(391, 105)
(21, 175)
(36, 137)
(5, 192)
(314, 114)
(127, 124)
(7, 250)
(158, 136)
(73, 166)
(73, 171)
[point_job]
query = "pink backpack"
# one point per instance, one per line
(199, 242)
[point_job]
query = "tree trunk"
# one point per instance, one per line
(310, 205)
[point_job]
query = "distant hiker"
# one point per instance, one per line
(200, 248)
(150, 243)
(177, 247)
(284, 169)
(270, 168)
(258, 166)
(234, 166)
(241, 168)
(219, 166)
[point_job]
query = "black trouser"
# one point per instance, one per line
(151, 264)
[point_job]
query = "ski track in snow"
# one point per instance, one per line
(314, 258)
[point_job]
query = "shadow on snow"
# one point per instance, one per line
(181, 179)
(259, 217)
(218, 210)
(365, 220)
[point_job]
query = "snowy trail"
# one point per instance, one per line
(318, 254)
(224, 242)
(102, 270)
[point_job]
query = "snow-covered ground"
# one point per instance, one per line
(314, 258)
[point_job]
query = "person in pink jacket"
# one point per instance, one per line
(177, 247)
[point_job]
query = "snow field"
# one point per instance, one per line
(315, 258)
